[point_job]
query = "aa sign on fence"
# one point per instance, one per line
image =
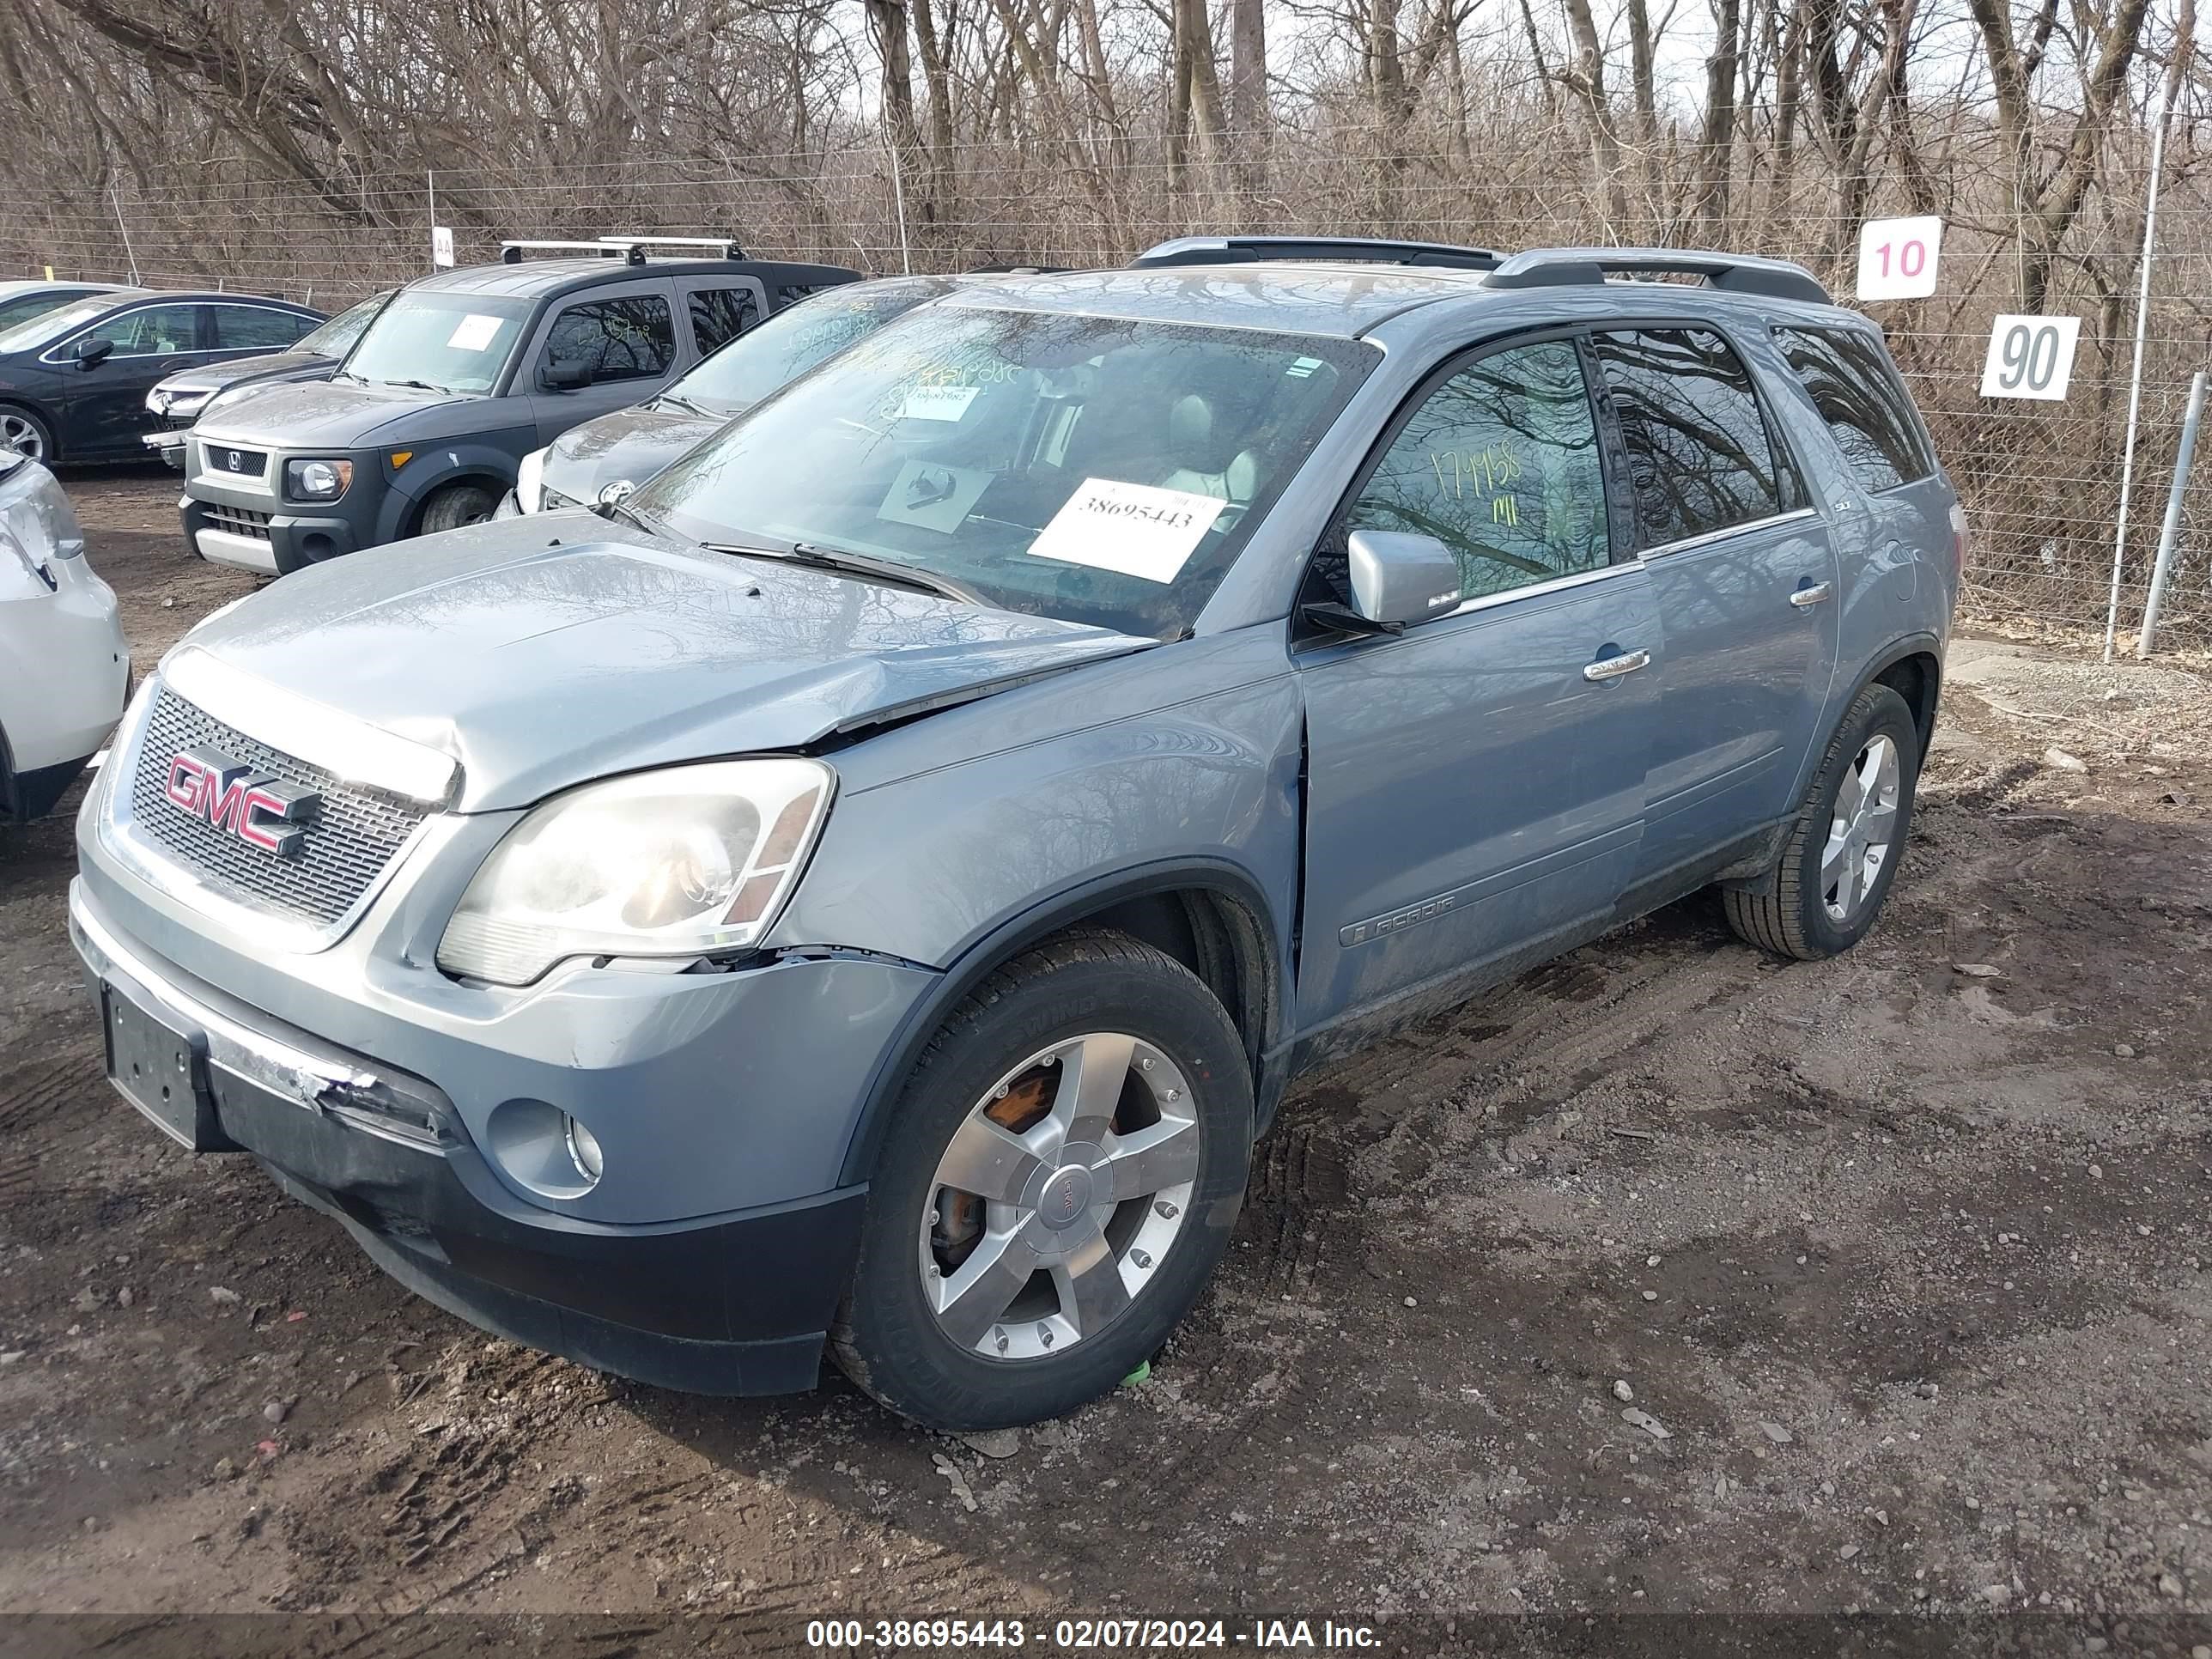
(2030, 357)
(1897, 258)
(442, 246)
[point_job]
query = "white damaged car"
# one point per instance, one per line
(65, 667)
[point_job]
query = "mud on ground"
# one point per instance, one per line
(1905, 1253)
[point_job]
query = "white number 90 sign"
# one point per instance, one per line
(2030, 357)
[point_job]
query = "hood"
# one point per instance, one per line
(630, 443)
(344, 415)
(538, 662)
(245, 371)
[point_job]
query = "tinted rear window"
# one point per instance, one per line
(1699, 452)
(1856, 390)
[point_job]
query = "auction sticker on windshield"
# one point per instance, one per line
(1137, 530)
(936, 402)
(474, 332)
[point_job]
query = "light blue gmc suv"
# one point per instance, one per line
(870, 889)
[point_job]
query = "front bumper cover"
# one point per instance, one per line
(734, 1304)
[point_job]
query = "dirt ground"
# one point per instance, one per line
(1905, 1253)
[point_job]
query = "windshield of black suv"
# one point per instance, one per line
(448, 342)
(1096, 469)
(336, 338)
(53, 323)
(771, 355)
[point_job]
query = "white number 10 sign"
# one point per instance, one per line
(2030, 357)
(1897, 258)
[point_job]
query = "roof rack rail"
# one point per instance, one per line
(724, 246)
(1242, 250)
(510, 253)
(1733, 273)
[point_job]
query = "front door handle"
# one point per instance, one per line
(1612, 668)
(1810, 596)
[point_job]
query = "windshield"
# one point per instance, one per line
(1096, 469)
(771, 355)
(27, 336)
(18, 308)
(449, 342)
(336, 338)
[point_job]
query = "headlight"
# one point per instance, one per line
(530, 479)
(671, 863)
(176, 404)
(317, 481)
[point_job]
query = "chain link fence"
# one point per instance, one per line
(2041, 480)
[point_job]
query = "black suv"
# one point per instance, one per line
(458, 377)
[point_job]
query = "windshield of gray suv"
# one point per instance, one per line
(444, 341)
(336, 338)
(773, 354)
(1099, 469)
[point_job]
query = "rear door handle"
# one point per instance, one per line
(1612, 668)
(1809, 596)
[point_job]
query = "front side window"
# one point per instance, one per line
(1857, 392)
(256, 328)
(446, 341)
(718, 315)
(1500, 463)
(628, 338)
(1101, 470)
(155, 331)
(1699, 452)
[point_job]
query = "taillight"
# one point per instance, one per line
(1958, 544)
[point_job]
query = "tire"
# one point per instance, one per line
(1792, 910)
(27, 434)
(1158, 1041)
(455, 504)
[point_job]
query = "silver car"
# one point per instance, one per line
(868, 891)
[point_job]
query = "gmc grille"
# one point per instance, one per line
(350, 840)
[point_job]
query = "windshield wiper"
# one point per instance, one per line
(414, 386)
(629, 515)
(819, 557)
(670, 398)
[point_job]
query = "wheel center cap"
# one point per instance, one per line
(1067, 1197)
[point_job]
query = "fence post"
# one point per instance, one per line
(115, 197)
(2135, 378)
(2170, 531)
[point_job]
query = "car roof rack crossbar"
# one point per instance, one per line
(724, 247)
(1732, 273)
(1365, 250)
(510, 253)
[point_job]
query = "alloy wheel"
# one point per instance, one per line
(1059, 1196)
(17, 433)
(1862, 830)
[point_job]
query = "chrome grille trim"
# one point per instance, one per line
(352, 839)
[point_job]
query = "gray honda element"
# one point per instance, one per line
(870, 889)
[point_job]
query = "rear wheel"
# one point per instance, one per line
(455, 504)
(1836, 867)
(1057, 1186)
(24, 432)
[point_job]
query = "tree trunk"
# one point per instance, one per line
(1716, 145)
(1586, 80)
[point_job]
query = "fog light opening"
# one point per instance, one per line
(584, 1152)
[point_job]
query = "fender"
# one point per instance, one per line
(439, 463)
(1909, 644)
(1270, 1047)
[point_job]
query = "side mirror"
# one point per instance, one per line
(1399, 578)
(566, 374)
(91, 353)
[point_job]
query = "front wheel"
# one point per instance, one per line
(1841, 854)
(25, 434)
(455, 504)
(1057, 1186)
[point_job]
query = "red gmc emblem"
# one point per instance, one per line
(239, 801)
